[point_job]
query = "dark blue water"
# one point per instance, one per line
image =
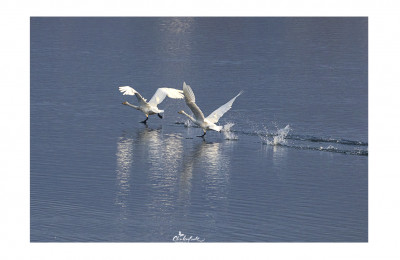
(293, 167)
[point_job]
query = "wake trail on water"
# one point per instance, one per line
(283, 137)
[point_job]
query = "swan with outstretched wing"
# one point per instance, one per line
(150, 108)
(206, 123)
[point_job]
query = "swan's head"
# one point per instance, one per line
(181, 112)
(125, 103)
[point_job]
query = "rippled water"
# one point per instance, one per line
(290, 165)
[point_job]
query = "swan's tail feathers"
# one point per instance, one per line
(217, 128)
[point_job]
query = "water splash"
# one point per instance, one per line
(188, 123)
(226, 130)
(329, 148)
(279, 138)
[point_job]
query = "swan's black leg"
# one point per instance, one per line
(145, 121)
(160, 116)
(202, 136)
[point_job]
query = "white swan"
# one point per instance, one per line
(208, 123)
(150, 108)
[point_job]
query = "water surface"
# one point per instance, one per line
(293, 167)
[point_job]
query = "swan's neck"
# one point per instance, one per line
(189, 116)
(129, 104)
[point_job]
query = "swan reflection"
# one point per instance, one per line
(164, 156)
(207, 164)
(155, 174)
(212, 161)
(160, 153)
(124, 163)
(148, 162)
(123, 170)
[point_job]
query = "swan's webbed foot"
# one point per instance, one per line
(145, 121)
(160, 116)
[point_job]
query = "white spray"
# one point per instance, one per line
(188, 123)
(226, 130)
(279, 138)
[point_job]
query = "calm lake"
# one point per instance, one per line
(291, 165)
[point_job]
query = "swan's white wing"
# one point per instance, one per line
(190, 100)
(126, 90)
(161, 93)
(217, 114)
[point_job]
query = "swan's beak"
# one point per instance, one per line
(125, 103)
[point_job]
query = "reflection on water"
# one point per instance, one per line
(167, 183)
(111, 179)
(164, 153)
(172, 165)
(214, 160)
(205, 179)
(174, 37)
(175, 43)
(124, 164)
(176, 25)
(156, 158)
(277, 153)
